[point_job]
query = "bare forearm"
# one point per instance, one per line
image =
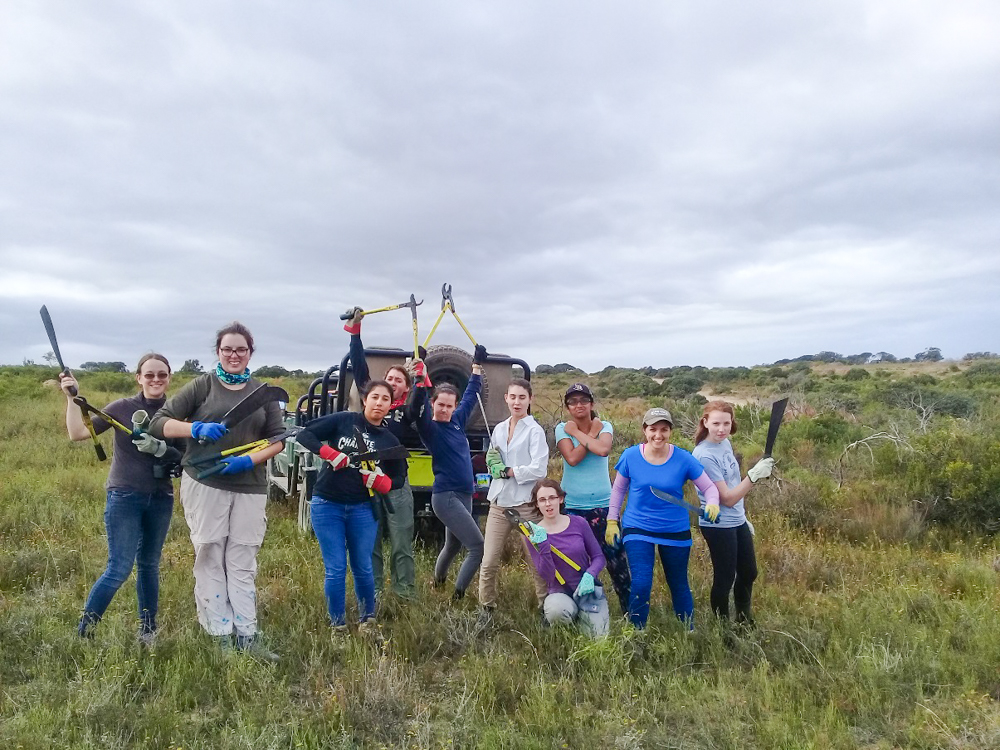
(729, 496)
(175, 428)
(74, 422)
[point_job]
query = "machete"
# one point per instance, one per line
(681, 501)
(777, 413)
(258, 397)
(50, 331)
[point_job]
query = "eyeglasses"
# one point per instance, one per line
(240, 351)
(578, 401)
(156, 375)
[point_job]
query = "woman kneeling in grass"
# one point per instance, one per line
(568, 557)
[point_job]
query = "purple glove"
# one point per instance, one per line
(236, 464)
(207, 432)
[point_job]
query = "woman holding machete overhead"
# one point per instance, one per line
(442, 428)
(140, 497)
(341, 508)
(397, 526)
(730, 541)
(225, 511)
(652, 525)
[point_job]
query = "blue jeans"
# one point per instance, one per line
(346, 529)
(641, 557)
(137, 524)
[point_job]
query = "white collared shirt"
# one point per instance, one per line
(527, 454)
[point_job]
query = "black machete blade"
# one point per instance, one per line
(777, 413)
(262, 394)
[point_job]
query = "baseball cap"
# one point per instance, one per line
(657, 414)
(578, 388)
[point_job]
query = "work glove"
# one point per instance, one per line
(498, 471)
(146, 443)
(480, 355)
(538, 534)
(236, 464)
(753, 531)
(586, 585)
(353, 325)
(420, 374)
(613, 534)
(208, 432)
(421, 352)
(140, 420)
(711, 513)
(375, 479)
(337, 459)
(761, 469)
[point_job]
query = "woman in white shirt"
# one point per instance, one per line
(517, 459)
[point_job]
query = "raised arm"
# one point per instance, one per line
(469, 398)
(356, 351)
(75, 427)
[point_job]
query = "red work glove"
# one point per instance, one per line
(420, 376)
(337, 459)
(353, 324)
(376, 480)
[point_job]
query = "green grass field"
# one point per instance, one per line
(875, 630)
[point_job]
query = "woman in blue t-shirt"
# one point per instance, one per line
(730, 542)
(651, 524)
(584, 441)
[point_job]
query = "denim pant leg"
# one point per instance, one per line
(123, 521)
(640, 562)
(675, 567)
(360, 530)
(329, 523)
(159, 507)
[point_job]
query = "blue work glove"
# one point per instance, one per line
(236, 464)
(586, 585)
(208, 432)
(538, 534)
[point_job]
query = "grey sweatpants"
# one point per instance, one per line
(561, 609)
(227, 529)
(454, 509)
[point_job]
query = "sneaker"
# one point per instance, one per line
(253, 646)
(85, 628)
(370, 629)
(485, 616)
(458, 595)
(147, 638)
(224, 643)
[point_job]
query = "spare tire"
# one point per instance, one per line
(449, 364)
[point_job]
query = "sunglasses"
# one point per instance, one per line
(156, 375)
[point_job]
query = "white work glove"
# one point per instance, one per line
(146, 443)
(761, 469)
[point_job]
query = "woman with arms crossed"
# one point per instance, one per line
(224, 512)
(730, 542)
(341, 508)
(518, 458)
(585, 442)
(140, 497)
(568, 557)
(652, 525)
(442, 428)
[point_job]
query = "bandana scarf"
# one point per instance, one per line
(229, 378)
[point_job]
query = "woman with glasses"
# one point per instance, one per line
(225, 511)
(584, 441)
(140, 496)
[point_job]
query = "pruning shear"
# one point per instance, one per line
(240, 450)
(448, 303)
(368, 465)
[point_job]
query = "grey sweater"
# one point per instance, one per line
(205, 399)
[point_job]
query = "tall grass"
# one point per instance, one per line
(862, 641)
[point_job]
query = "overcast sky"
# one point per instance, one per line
(622, 183)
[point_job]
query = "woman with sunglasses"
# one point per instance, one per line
(140, 496)
(652, 525)
(568, 558)
(584, 441)
(225, 511)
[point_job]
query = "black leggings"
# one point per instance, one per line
(734, 566)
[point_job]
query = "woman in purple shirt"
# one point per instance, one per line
(568, 558)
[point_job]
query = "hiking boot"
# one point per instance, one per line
(253, 646)
(458, 595)
(370, 629)
(85, 628)
(146, 638)
(224, 643)
(485, 618)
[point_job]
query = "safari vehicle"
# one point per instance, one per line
(292, 473)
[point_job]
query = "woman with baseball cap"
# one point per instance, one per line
(652, 525)
(584, 441)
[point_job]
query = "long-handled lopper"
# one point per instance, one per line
(448, 303)
(515, 519)
(369, 461)
(240, 450)
(50, 330)
(411, 303)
